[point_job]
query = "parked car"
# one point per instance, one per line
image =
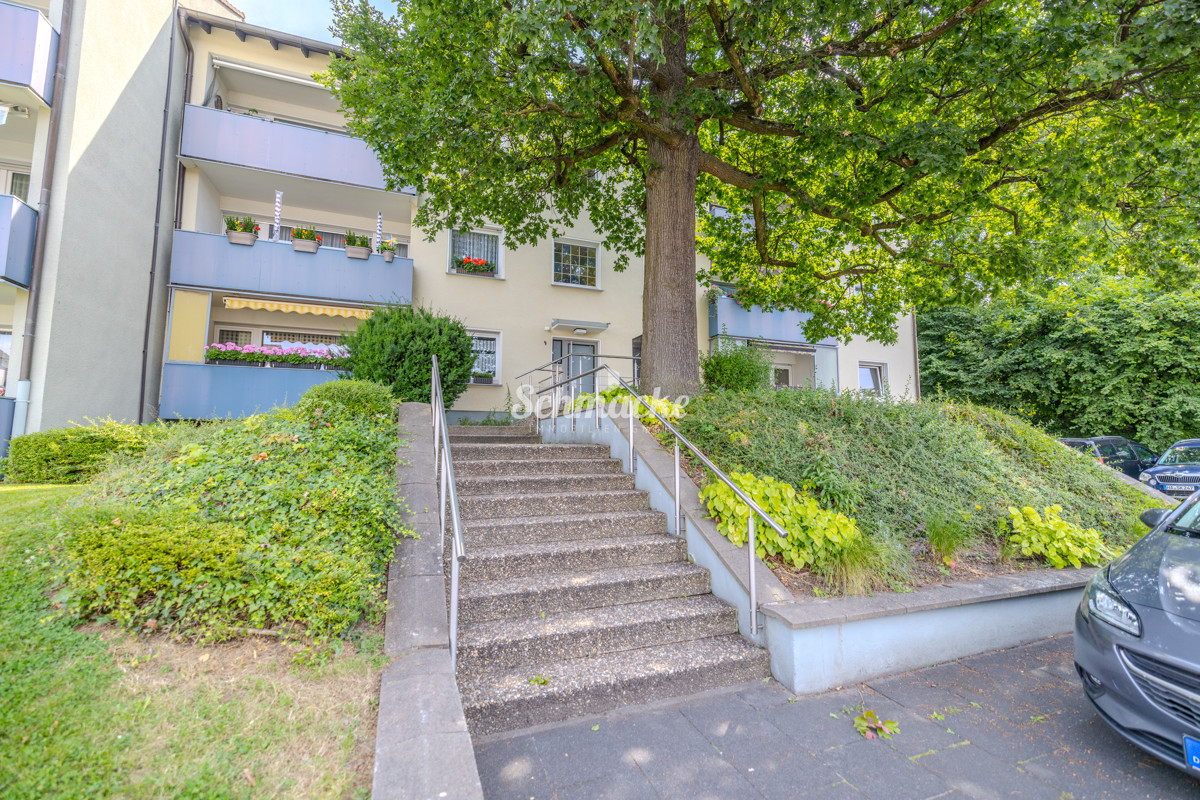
(1137, 638)
(1178, 470)
(1117, 452)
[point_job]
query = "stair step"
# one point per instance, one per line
(503, 699)
(509, 452)
(539, 558)
(491, 430)
(540, 484)
(521, 530)
(564, 591)
(589, 632)
(485, 436)
(497, 506)
(538, 466)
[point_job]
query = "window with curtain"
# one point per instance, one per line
(467, 244)
(574, 264)
(484, 348)
(20, 186)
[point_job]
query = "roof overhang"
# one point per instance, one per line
(241, 29)
(577, 325)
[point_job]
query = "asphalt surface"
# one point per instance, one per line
(1008, 724)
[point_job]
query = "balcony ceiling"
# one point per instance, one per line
(306, 193)
(275, 91)
(19, 129)
(8, 294)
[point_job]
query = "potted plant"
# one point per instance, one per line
(387, 249)
(232, 355)
(241, 231)
(474, 266)
(482, 377)
(357, 246)
(305, 240)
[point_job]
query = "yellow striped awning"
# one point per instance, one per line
(297, 308)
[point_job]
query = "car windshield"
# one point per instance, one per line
(1186, 454)
(1190, 518)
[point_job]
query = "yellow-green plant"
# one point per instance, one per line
(1055, 539)
(814, 535)
(670, 411)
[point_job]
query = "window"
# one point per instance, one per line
(783, 377)
(232, 336)
(312, 341)
(19, 186)
(871, 378)
(5, 353)
(575, 264)
(486, 349)
(470, 244)
(1143, 454)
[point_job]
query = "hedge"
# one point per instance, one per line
(74, 454)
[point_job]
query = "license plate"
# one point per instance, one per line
(1191, 752)
(1182, 487)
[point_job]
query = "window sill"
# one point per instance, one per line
(576, 286)
(496, 383)
(475, 275)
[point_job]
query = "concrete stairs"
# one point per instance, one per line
(574, 599)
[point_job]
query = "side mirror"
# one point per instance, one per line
(1151, 517)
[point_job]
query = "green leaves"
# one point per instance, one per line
(1060, 542)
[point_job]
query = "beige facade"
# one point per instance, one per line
(137, 276)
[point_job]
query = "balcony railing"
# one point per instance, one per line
(249, 141)
(28, 50)
(18, 222)
(210, 261)
(211, 391)
(726, 317)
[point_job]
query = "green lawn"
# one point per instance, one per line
(95, 712)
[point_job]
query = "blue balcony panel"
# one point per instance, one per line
(18, 224)
(209, 391)
(726, 317)
(257, 143)
(210, 261)
(28, 50)
(8, 407)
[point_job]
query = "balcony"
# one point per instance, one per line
(726, 317)
(28, 51)
(209, 261)
(248, 141)
(211, 391)
(18, 222)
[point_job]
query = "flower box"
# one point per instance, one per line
(289, 365)
(388, 255)
(483, 379)
(232, 362)
(474, 266)
(356, 251)
(305, 245)
(242, 237)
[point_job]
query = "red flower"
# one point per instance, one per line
(318, 238)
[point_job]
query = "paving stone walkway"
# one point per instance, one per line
(1008, 724)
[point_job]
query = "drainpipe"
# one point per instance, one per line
(24, 382)
(162, 161)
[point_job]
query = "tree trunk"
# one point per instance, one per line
(670, 358)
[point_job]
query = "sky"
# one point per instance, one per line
(307, 18)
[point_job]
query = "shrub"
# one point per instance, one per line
(1050, 536)
(814, 535)
(344, 399)
(735, 367)
(394, 347)
(670, 411)
(74, 454)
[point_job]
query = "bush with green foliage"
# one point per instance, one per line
(814, 536)
(394, 347)
(735, 367)
(894, 466)
(1050, 536)
(1095, 357)
(284, 521)
(74, 454)
(672, 412)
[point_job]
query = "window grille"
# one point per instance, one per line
(484, 348)
(464, 244)
(317, 341)
(574, 264)
(227, 336)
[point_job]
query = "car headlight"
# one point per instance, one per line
(1102, 602)
(1146, 477)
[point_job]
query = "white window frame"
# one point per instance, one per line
(490, 231)
(497, 379)
(883, 375)
(581, 243)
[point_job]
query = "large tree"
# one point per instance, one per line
(848, 158)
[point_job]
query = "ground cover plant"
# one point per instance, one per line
(76, 453)
(93, 711)
(928, 484)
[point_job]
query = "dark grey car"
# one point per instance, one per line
(1137, 638)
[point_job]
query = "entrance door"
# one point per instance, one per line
(582, 357)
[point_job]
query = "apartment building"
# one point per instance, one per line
(115, 183)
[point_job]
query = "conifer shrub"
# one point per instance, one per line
(74, 454)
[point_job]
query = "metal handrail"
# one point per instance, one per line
(554, 361)
(755, 509)
(444, 465)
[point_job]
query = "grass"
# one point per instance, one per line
(924, 481)
(97, 712)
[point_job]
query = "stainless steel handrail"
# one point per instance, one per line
(554, 361)
(754, 507)
(444, 465)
